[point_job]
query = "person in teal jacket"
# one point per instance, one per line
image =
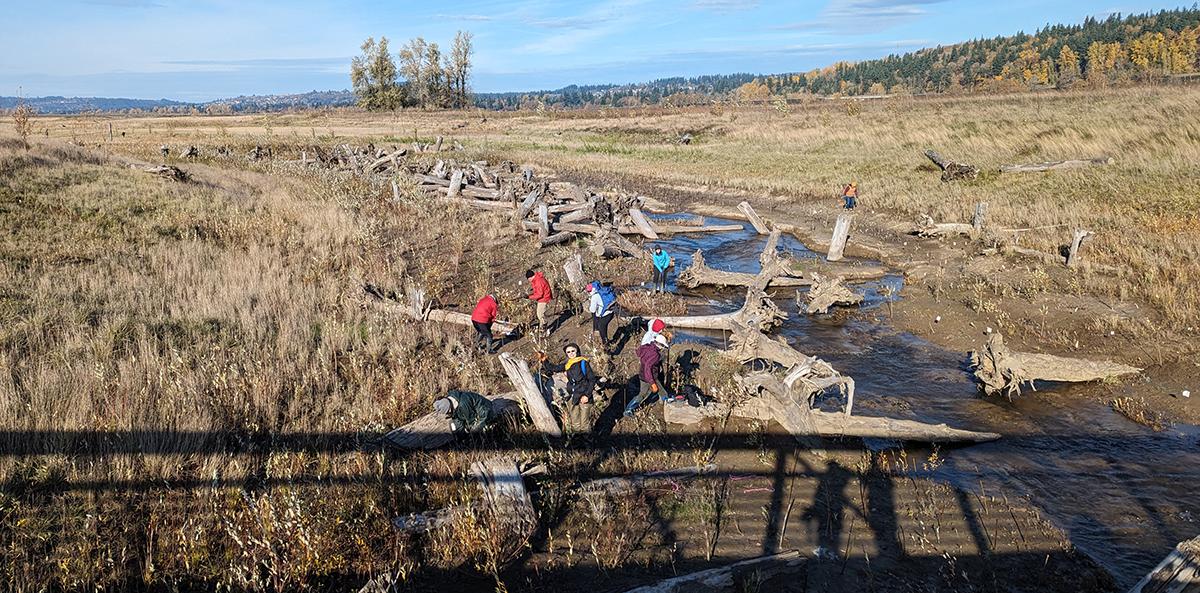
(662, 261)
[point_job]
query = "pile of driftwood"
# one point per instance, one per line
(557, 212)
(825, 279)
(791, 401)
(1001, 371)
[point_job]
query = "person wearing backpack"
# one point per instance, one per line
(650, 358)
(581, 384)
(600, 305)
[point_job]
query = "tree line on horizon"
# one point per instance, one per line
(1114, 50)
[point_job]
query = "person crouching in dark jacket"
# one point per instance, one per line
(581, 384)
(468, 413)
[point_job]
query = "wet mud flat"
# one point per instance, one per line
(1121, 492)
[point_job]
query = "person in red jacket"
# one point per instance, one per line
(482, 318)
(541, 295)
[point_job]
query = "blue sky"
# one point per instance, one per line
(206, 49)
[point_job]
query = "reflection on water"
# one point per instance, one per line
(1124, 494)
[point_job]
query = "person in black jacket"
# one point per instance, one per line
(467, 412)
(581, 383)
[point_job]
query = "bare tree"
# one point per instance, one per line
(459, 67)
(23, 121)
(373, 75)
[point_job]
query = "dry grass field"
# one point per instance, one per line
(189, 372)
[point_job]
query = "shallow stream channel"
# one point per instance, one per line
(1124, 494)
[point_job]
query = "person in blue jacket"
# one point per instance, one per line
(662, 261)
(601, 304)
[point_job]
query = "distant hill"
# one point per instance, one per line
(245, 103)
(63, 105)
(309, 100)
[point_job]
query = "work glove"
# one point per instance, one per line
(654, 388)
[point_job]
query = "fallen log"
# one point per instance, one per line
(698, 273)
(801, 420)
(642, 224)
(952, 171)
(169, 172)
(825, 293)
(679, 229)
(999, 370)
(535, 402)
(1056, 165)
(504, 491)
(480, 204)
(555, 239)
(432, 431)
(929, 228)
(415, 307)
(808, 268)
(726, 578)
(748, 344)
(1178, 572)
(761, 226)
(757, 312)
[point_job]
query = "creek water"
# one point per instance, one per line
(1124, 494)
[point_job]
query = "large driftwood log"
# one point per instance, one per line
(726, 578)
(642, 224)
(1056, 165)
(679, 229)
(825, 293)
(809, 268)
(929, 228)
(951, 170)
(801, 420)
(1000, 370)
(504, 491)
(698, 273)
(1177, 573)
(760, 225)
(535, 402)
(432, 431)
(757, 312)
(414, 305)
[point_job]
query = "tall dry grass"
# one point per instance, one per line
(188, 377)
(1144, 207)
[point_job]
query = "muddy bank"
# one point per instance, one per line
(1116, 487)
